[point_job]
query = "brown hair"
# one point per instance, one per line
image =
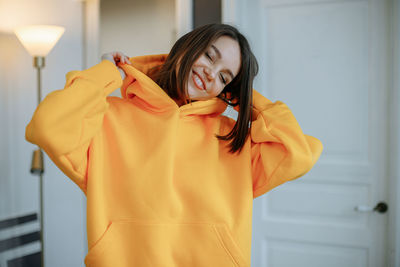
(238, 92)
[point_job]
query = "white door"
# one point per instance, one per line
(327, 60)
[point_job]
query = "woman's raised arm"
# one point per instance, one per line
(280, 150)
(65, 122)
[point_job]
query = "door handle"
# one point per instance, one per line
(381, 207)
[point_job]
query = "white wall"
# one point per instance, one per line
(64, 203)
(137, 27)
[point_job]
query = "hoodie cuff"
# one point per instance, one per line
(260, 103)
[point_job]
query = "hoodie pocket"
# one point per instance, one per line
(135, 243)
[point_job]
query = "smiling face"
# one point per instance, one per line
(214, 69)
(200, 65)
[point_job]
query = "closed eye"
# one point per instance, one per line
(208, 55)
(222, 79)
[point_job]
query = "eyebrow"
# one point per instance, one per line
(219, 56)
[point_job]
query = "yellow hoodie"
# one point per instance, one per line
(162, 190)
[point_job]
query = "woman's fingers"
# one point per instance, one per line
(125, 59)
(116, 57)
(120, 57)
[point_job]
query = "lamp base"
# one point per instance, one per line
(37, 166)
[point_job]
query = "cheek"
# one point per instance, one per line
(196, 63)
(201, 60)
(220, 91)
(217, 89)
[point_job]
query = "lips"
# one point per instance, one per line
(198, 81)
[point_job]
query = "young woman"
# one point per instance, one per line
(169, 180)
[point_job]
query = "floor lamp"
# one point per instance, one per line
(39, 40)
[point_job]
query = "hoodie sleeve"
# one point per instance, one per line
(65, 122)
(280, 151)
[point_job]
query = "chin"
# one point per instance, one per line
(193, 92)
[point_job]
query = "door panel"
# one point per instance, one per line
(327, 60)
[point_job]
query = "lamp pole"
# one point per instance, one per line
(39, 40)
(37, 166)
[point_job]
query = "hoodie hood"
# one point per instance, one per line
(138, 87)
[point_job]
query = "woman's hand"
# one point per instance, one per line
(117, 58)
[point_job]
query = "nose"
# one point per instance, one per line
(209, 73)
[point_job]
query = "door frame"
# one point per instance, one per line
(231, 15)
(393, 233)
(183, 17)
(91, 27)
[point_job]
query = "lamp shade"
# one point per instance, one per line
(39, 39)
